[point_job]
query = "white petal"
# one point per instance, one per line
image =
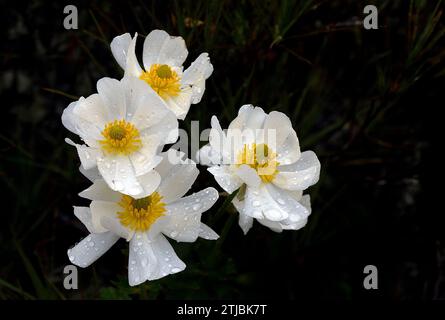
(99, 190)
(118, 172)
(144, 106)
(93, 110)
(252, 203)
(185, 215)
(299, 175)
(160, 48)
(217, 140)
(91, 248)
(100, 209)
(150, 260)
(84, 215)
(68, 117)
(255, 120)
(280, 124)
(119, 48)
(145, 159)
(196, 74)
(166, 129)
(248, 175)
(306, 201)
(245, 222)
(294, 225)
(89, 131)
(132, 67)
(289, 151)
(88, 156)
(239, 122)
(207, 233)
(113, 224)
(226, 178)
(294, 221)
(272, 225)
(149, 182)
(91, 174)
(177, 178)
(259, 204)
(180, 104)
(112, 93)
(287, 203)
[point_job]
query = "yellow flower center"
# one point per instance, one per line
(163, 80)
(140, 214)
(260, 158)
(120, 137)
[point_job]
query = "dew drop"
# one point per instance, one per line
(173, 234)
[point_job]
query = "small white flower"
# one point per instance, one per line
(145, 222)
(163, 57)
(260, 154)
(123, 126)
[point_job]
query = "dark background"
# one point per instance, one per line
(366, 101)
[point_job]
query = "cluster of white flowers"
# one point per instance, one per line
(137, 190)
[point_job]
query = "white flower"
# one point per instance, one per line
(260, 154)
(123, 126)
(163, 57)
(145, 222)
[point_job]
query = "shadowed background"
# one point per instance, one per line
(366, 101)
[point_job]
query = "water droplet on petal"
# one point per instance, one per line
(173, 234)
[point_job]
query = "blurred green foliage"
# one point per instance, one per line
(362, 99)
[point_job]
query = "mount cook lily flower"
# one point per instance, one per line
(162, 58)
(124, 127)
(145, 222)
(260, 155)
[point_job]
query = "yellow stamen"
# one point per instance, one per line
(140, 214)
(260, 158)
(163, 80)
(121, 137)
